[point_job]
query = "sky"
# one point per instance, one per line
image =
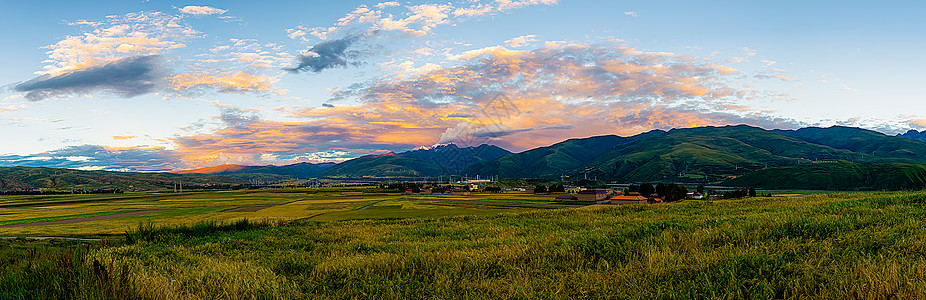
(134, 85)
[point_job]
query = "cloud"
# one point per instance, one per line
(514, 99)
(387, 20)
(328, 55)
(100, 157)
(520, 41)
(117, 37)
(201, 10)
(9, 108)
(236, 83)
(127, 77)
(630, 13)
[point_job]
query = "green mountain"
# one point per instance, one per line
(710, 154)
(864, 141)
(376, 166)
(24, 178)
(439, 160)
(705, 154)
(453, 159)
(836, 175)
(550, 161)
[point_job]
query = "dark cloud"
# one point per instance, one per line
(128, 77)
(98, 157)
(328, 55)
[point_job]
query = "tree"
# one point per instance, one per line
(752, 192)
(540, 189)
(676, 192)
(701, 189)
(662, 190)
(557, 188)
(647, 190)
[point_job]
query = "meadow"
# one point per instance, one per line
(839, 245)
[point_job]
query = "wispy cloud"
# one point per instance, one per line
(201, 10)
(118, 37)
(387, 19)
(521, 40)
(630, 13)
(238, 82)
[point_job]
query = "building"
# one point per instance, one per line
(628, 200)
(573, 189)
(592, 195)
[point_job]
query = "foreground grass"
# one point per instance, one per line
(822, 246)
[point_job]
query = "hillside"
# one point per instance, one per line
(840, 175)
(21, 178)
(703, 154)
(381, 166)
(550, 161)
(865, 141)
(454, 159)
(440, 160)
(710, 154)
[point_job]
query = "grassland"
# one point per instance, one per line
(860, 245)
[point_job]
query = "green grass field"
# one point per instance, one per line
(825, 246)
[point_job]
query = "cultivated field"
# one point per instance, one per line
(862, 245)
(113, 214)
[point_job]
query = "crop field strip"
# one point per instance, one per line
(106, 214)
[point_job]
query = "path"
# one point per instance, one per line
(368, 206)
(87, 219)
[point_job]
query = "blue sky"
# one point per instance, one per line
(167, 85)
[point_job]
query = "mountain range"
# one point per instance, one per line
(827, 158)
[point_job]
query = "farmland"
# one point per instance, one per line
(72, 214)
(322, 244)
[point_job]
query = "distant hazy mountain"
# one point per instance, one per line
(299, 170)
(17, 178)
(913, 134)
(436, 161)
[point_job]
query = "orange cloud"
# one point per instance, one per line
(233, 83)
(515, 99)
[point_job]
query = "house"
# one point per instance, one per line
(628, 200)
(592, 195)
(573, 189)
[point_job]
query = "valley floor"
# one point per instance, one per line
(862, 245)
